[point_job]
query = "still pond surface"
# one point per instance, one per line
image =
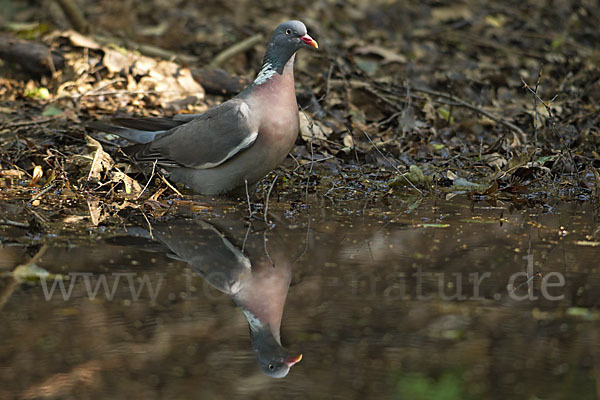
(435, 299)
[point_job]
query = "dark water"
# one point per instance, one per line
(428, 300)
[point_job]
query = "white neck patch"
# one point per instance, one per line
(253, 321)
(268, 71)
(265, 74)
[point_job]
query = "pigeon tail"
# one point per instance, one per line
(133, 135)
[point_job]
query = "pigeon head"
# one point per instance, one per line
(287, 39)
(273, 359)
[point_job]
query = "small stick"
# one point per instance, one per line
(173, 188)
(457, 102)
(41, 193)
(149, 180)
(148, 222)
(529, 279)
(25, 123)
(392, 164)
(306, 243)
(470, 106)
(312, 160)
(13, 223)
(535, 101)
(551, 116)
(7, 292)
(266, 250)
(75, 15)
(146, 49)
(267, 199)
(235, 49)
(246, 236)
(248, 199)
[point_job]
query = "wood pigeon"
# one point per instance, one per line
(235, 144)
(257, 278)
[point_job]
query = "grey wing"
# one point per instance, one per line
(141, 130)
(186, 117)
(204, 142)
(207, 250)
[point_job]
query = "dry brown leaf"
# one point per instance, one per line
(429, 111)
(61, 385)
(388, 55)
(131, 185)
(73, 219)
(101, 160)
(311, 129)
(348, 141)
(12, 173)
(79, 40)
(95, 211)
(451, 175)
(451, 13)
(38, 173)
(115, 61)
(171, 82)
(143, 65)
(495, 160)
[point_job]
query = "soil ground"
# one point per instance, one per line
(496, 99)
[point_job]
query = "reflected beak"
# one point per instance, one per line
(293, 360)
(309, 41)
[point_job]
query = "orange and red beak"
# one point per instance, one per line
(309, 41)
(296, 359)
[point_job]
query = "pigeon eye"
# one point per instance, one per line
(288, 31)
(271, 366)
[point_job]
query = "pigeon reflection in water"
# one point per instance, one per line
(257, 281)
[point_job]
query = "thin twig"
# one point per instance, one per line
(547, 106)
(26, 123)
(319, 160)
(392, 164)
(148, 222)
(75, 15)
(118, 93)
(267, 199)
(173, 188)
(266, 250)
(470, 106)
(305, 241)
(535, 101)
(456, 101)
(44, 191)
(149, 180)
(250, 213)
(238, 47)
(8, 222)
(529, 279)
(146, 49)
(7, 292)
(246, 236)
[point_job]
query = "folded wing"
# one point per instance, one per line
(200, 141)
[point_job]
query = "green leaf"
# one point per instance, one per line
(542, 160)
(583, 313)
(51, 111)
(463, 184)
(445, 114)
(38, 93)
(435, 225)
(32, 273)
(370, 67)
